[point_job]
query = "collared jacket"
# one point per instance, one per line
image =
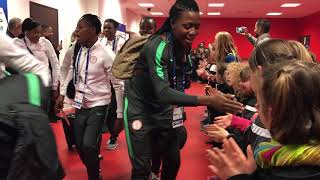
(45, 53)
(256, 41)
(151, 94)
(97, 90)
(21, 60)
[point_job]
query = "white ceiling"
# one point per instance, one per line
(235, 8)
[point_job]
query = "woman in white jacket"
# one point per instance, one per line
(20, 60)
(42, 49)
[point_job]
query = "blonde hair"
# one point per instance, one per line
(299, 51)
(234, 69)
(224, 44)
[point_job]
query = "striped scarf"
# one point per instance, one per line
(273, 154)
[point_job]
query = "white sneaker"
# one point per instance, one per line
(154, 176)
(112, 144)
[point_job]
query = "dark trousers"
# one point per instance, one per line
(158, 148)
(50, 108)
(156, 155)
(112, 115)
(68, 130)
(141, 141)
(87, 132)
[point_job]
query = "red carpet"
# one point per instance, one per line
(116, 164)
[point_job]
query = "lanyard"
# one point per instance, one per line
(77, 70)
(190, 60)
(175, 83)
(114, 46)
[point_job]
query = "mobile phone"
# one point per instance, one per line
(240, 30)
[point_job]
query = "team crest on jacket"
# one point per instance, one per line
(93, 59)
(136, 125)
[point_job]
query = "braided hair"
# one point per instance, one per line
(175, 12)
(93, 21)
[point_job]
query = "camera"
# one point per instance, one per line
(240, 29)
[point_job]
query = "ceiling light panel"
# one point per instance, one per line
(156, 13)
(216, 4)
(290, 5)
(274, 14)
(145, 4)
(214, 13)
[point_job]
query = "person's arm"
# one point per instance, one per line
(158, 70)
(251, 39)
(240, 123)
(54, 62)
(118, 84)
(64, 87)
(64, 84)
(21, 60)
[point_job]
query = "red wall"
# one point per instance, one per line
(310, 25)
(280, 28)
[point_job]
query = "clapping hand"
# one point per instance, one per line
(223, 121)
(230, 160)
(215, 132)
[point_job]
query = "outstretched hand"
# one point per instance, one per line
(223, 121)
(230, 160)
(224, 102)
(59, 104)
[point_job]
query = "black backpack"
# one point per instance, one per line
(27, 143)
(71, 91)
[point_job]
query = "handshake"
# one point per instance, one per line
(222, 102)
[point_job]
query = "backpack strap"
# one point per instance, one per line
(33, 89)
(70, 88)
(76, 49)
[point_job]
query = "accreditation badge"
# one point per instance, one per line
(177, 117)
(78, 99)
(250, 108)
